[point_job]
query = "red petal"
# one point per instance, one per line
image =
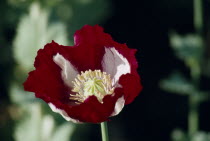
(131, 87)
(92, 35)
(90, 41)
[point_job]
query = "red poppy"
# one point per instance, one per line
(88, 82)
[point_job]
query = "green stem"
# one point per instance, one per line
(104, 131)
(193, 116)
(198, 16)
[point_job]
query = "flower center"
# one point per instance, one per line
(90, 83)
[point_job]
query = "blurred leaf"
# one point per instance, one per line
(33, 33)
(36, 126)
(83, 12)
(201, 136)
(18, 95)
(176, 83)
(58, 33)
(63, 132)
(188, 48)
(47, 127)
(179, 135)
(29, 128)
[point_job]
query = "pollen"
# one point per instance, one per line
(90, 83)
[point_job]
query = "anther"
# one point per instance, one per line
(89, 83)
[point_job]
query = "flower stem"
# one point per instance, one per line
(104, 131)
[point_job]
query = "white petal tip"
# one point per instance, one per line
(62, 113)
(118, 106)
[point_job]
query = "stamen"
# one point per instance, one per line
(90, 83)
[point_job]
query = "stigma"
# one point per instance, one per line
(91, 83)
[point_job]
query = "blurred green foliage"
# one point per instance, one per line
(33, 32)
(179, 135)
(37, 126)
(190, 49)
(177, 83)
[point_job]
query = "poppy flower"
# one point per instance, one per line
(88, 82)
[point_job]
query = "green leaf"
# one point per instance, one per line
(188, 48)
(179, 135)
(47, 127)
(63, 132)
(201, 136)
(37, 126)
(29, 127)
(33, 32)
(176, 83)
(18, 95)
